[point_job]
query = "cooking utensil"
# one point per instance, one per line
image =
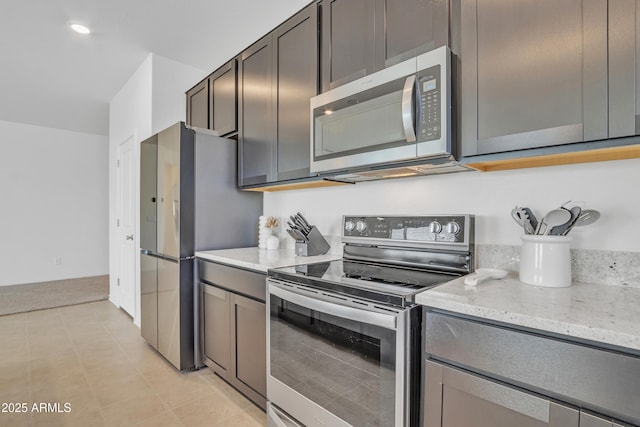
(293, 234)
(484, 274)
(522, 218)
(298, 235)
(304, 220)
(517, 216)
(587, 217)
(302, 224)
(562, 230)
(532, 218)
(553, 218)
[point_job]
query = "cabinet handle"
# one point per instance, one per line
(407, 108)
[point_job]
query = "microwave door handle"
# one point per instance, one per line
(407, 108)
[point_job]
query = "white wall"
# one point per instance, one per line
(54, 204)
(170, 81)
(152, 100)
(610, 187)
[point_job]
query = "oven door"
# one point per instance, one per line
(335, 361)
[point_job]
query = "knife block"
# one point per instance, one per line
(316, 245)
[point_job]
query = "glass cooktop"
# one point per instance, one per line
(378, 282)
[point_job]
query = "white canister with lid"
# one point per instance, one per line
(546, 261)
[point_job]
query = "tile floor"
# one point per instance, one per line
(90, 365)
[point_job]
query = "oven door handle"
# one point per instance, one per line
(333, 307)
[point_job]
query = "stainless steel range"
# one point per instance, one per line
(344, 336)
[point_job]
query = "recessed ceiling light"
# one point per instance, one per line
(81, 29)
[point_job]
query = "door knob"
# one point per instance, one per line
(129, 237)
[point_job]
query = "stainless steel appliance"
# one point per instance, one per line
(395, 122)
(188, 202)
(343, 337)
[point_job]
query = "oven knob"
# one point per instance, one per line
(349, 225)
(361, 226)
(435, 227)
(453, 228)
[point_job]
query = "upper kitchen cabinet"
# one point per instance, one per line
(256, 130)
(624, 68)
(534, 74)
(198, 105)
(296, 81)
(223, 99)
(278, 76)
(360, 37)
(348, 34)
(411, 27)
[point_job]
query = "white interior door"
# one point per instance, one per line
(126, 227)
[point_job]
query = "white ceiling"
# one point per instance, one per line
(51, 76)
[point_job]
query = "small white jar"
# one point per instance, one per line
(546, 261)
(273, 242)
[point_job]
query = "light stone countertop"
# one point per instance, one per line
(261, 259)
(602, 313)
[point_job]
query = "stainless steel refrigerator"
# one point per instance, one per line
(189, 202)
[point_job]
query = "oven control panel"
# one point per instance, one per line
(436, 228)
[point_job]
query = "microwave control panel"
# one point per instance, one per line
(430, 100)
(437, 228)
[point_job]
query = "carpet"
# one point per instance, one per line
(59, 293)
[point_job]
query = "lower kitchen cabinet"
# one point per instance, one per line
(466, 400)
(233, 327)
(217, 326)
(483, 374)
(251, 342)
(590, 420)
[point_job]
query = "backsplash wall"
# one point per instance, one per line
(610, 187)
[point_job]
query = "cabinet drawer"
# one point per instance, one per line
(234, 279)
(465, 400)
(602, 380)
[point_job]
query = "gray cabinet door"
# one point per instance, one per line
(624, 68)
(590, 420)
(217, 327)
(256, 121)
(296, 81)
(534, 73)
(169, 311)
(223, 99)
(198, 105)
(411, 27)
(472, 401)
(251, 345)
(348, 41)
(363, 36)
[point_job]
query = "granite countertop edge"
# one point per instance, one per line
(261, 260)
(603, 314)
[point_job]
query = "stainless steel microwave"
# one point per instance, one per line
(398, 115)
